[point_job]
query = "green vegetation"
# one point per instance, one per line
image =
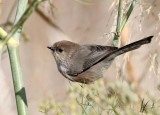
(120, 98)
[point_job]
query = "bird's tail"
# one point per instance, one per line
(129, 47)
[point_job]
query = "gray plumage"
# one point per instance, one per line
(83, 63)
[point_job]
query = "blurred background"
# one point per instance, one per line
(85, 22)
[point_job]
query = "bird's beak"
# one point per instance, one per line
(51, 48)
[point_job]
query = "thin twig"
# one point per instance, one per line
(25, 16)
(48, 20)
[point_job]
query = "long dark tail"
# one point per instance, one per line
(122, 50)
(129, 47)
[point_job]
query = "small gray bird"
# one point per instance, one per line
(85, 63)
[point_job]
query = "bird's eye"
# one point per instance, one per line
(60, 50)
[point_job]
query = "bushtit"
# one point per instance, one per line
(85, 63)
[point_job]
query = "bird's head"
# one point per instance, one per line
(64, 50)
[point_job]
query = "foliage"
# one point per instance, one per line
(113, 99)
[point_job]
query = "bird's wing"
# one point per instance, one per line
(95, 55)
(98, 52)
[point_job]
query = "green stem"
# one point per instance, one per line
(127, 15)
(119, 16)
(120, 25)
(19, 88)
(13, 48)
(88, 107)
(116, 37)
